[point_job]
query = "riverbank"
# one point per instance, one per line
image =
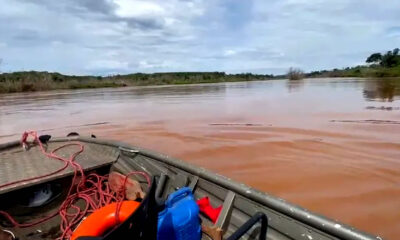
(42, 81)
(359, 71)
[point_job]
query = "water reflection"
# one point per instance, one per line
(61, 97)
(181, 90)
(386, 90)
(294, 85)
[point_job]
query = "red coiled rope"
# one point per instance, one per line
(93, 189)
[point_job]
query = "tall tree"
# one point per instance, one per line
(391, 58)
(374, 58)
(396, 51)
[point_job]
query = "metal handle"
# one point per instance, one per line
(249, 224)
(160, 189)
(178, 195)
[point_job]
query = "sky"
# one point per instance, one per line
(105, 37)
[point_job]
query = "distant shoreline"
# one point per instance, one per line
(44, 81)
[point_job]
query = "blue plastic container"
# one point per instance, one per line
(180, 218)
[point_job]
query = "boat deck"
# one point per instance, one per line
(238, 201)
(16, 165)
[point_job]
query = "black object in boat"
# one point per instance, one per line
(72, 134)
(40, 195)
(44, 138)
(249, 224)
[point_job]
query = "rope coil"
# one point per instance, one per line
(93, 189)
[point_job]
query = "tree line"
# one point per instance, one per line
(388, 59)
(378, 65)
(41, 81)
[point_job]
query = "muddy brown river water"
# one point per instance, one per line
(330, 145)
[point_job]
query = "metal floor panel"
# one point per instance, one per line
(18, 164)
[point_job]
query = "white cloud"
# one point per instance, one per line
(108, 36)
(152, 65)
(129, 8)
(229, 52)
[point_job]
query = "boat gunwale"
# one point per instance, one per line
(317, 221)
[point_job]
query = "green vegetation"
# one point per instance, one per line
(40, 81)
(378, 65)
(359, 71)
(295, 74)
(388, 60)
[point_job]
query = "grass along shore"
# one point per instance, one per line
(379, 66)
(41, 81)
(373, 71)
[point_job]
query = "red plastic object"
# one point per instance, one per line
(208, 210)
